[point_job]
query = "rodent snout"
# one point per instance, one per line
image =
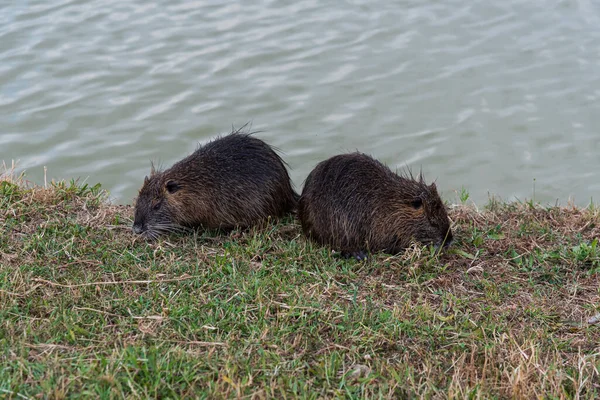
(137, 229)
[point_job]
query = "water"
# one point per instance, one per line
(493, 97)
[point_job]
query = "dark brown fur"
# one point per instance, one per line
(233, 181)
(355, 204)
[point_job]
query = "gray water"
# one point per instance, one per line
(498, 98)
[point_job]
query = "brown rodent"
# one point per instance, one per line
(233, 181)
(355, 204)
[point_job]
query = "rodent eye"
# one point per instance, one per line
(156, 206)
(417, 203)
(172, 187)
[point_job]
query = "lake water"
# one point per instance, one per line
(495, 97)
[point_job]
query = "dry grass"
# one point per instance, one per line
(89, 310)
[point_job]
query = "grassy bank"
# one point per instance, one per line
(88, 310)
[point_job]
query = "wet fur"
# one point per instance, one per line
(355, 204)
(233, 181)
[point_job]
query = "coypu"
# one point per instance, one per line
(233, 181)
(356, 204)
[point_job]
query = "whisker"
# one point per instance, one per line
(167, 228)
(171, 228)
(153, 235)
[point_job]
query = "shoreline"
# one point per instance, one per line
(459, 196)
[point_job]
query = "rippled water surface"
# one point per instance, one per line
(495, 97)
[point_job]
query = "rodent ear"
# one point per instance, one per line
(172, 186)
(417, 203)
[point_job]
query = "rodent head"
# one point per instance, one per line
(425, 216)
(156, 207)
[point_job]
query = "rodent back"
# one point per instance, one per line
(354, 183)
(339, 198)
(234, 162)
(352, 198)
(237, 178)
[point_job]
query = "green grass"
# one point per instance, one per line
(88, 310)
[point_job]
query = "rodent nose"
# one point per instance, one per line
(137, 229)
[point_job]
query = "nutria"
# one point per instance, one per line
(233, 181)
(355, 204)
